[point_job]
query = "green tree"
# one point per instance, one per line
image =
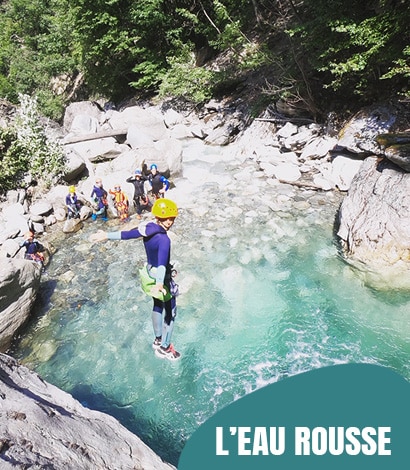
(357, 49)
(36, 48)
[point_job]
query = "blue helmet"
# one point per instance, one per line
(138, 172)
(154, 166)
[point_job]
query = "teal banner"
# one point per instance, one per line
(352, 416)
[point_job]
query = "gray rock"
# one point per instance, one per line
(172, 118)
(12, 197)
(375, 223)
(41, 208)
(72, 225)
(84, 108)
(97, 150)
(9, 248)
(37, 218)
(50, 220)
(84, 124)
(287, 130)
(318, 147)
(19, 284)
(5, 235)
(75, 165)
(44, 427)
(344, 169)
(15, 218)
(400, 155)
(36, 227)
(359, 134)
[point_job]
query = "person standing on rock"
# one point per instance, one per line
(159, 183)
(99, 200)
(141, 200)
(120, 202)
(158, 269)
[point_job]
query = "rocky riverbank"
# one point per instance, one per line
(44, 427)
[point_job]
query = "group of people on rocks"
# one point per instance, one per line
(153, 183)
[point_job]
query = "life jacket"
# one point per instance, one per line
(120, 203)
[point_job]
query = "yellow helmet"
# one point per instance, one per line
(71, 189)
(164, 208)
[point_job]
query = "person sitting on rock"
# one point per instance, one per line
(33, 248)
(72, 203)
(121, 203)
(99, 200)
(141, 199)
(159, 184)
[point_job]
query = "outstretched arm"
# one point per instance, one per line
(101, 236)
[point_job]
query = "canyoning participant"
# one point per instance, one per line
(99, 200)
(120, 202)
(33, 248)
(158, 272)
(72, 203)
(141, 199)
(159, 184)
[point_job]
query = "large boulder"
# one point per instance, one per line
(375, 223)
(19, 284)
(44, 427)
(359, 134)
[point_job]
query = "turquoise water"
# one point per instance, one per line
(262, 298)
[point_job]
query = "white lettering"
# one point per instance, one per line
(302, 438)
(336, 442)
(277, 441)
(219, 442)
(354, 447)
(370, 448)
(319, 441)
(260, 442)
(243, 440)
(383, 440)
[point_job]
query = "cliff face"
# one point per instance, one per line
(375, 224)
(43, 427)
(19, 284)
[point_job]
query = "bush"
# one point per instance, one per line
(26, 149)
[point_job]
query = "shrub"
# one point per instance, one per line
(26, 149)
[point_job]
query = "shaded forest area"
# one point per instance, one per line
(306, 56)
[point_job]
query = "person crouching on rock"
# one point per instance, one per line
(33, 248)
(72, 203)
(158, 268)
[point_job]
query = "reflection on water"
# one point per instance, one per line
(264, 295)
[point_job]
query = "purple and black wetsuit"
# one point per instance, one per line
(158, 249)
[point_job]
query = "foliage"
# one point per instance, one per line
(360, 49)
(25, 148)
(36, 47)
(336, 50)
(185, 80)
